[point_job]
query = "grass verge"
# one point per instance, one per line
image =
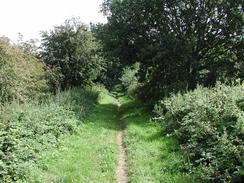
(87, 156)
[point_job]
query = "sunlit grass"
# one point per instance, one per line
(90, 154)
(151, 156)
(87, 156)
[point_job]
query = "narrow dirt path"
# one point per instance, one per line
(121, 159)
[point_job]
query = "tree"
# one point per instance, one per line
(179, 43)
(22, 75)
(112, 70)
(29, 46)
(71, 49)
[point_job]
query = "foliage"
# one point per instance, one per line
(22, 76)
(29, 46)
(129, 75)
(70, 49)
(28, 129)
(179, 43)
(208, 124)
(112, 68)
(129, 79)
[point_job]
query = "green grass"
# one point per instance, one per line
(90, 155)
(87, 156)
(151, 156)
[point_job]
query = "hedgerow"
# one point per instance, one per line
(209, 126)
(22, 75)
(27, 129)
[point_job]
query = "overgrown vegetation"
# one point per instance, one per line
(28, 129)
(178, 44)
(209, 126)
(22, 75)
(171, 51)
(89, 155)
(31, 119)
(129, 80)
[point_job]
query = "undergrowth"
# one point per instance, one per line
(89, 155)
(209, 126)
(30, 128)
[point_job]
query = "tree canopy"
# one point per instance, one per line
(71, 50)
(179, 43)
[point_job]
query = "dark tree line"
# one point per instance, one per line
(179, 43)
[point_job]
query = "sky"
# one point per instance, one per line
(29, 17)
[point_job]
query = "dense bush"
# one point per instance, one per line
(22, 75)
(129, 79)
(209, 125)
(27, 129)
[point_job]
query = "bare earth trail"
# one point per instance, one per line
(121, 158)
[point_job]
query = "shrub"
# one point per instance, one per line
(27, 129)
(22, 76)
(209, 126)
(129, 79)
